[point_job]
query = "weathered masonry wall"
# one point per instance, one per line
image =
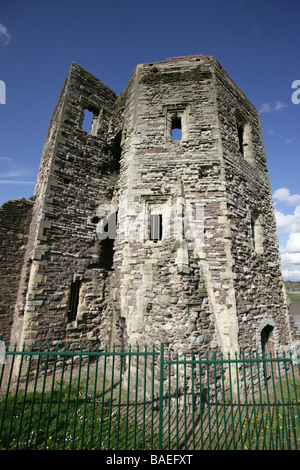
(141, 235)
(196, 291)
(15, 218)
(34, 242)
(175, 290)
(79, 171)
(258, 284)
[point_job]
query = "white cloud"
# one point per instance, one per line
(268, 108)
(290, 258)
(279, 106)
(290, 261)
(283, 195)
(14, 174)
(16, 182)
(289, 223)
(293, 244)
(291, 274)
(4, 36)
(265, 108)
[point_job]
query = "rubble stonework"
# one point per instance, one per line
(211, 280)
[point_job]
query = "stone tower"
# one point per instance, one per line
(156, 225)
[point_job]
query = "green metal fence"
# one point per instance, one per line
(147, 399)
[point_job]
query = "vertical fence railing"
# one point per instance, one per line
(233, 403)
(147, 399)
(78, 399)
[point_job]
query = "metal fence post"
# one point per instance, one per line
(161, 397)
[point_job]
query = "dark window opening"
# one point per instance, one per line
(95, 220)
(156, 228)
(176, 127)
(74, 300)
(107, 254)
(267, 340)
(240, 124)
(267, 344)
(67, 180)
(241, 139)
(116, 152)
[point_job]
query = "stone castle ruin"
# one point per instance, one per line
(155, 225)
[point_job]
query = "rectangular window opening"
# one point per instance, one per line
(176, 127)
(156, 228)
(74, 300)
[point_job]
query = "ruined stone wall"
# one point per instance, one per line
(79, 172)
(171, 290)
(217, 291)
(211, 281)
(15, 218)
(36, 225)
(260, 296)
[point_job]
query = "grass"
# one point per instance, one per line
(71, 419)
(294, 296)
(240, 428)
(67, 410)
(74, 418)
(269, 421)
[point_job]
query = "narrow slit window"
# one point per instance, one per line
(74, 300)
(256, 232)
(244, 138)
(176, 128)
(240, 130)
(240, 127)
(156, 228)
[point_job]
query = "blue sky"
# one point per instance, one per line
(256, 42)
